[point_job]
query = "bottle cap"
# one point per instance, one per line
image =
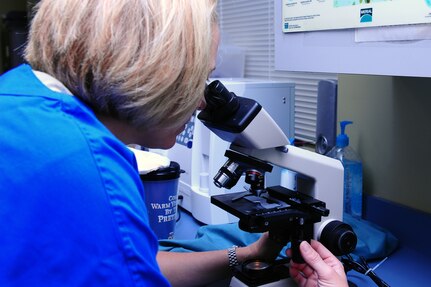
(342, 138)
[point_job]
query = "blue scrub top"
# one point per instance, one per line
(71, 206)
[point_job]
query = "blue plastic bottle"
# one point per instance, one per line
(352, 172)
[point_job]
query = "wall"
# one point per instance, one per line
(6, 6)
(392, 133)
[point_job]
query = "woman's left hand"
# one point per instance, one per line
(265, 248)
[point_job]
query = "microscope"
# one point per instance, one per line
(313, 211)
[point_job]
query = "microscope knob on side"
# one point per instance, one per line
(338, 237)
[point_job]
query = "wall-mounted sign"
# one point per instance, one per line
(312, 15)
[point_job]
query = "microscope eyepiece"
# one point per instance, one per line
(219, 101)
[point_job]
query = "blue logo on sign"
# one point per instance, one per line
(366, 15)
(286, 25)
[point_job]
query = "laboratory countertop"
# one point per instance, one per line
(409, 265)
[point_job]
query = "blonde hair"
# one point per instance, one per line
(141, 61)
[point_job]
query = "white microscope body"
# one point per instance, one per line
(257, 141)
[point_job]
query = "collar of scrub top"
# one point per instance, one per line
(52, 83)
(147, 161)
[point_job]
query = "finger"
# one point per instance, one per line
(313, 258)
(329, 258)
(307, 271)
(289, 252)
(321, 250)
(297, 276)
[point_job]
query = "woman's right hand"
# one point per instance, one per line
(321, 267)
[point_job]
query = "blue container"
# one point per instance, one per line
(161, 193)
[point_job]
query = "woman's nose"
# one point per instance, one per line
(201, 105)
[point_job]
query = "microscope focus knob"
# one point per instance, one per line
(339, 238)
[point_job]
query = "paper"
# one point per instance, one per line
(394, 33)
(313, 15)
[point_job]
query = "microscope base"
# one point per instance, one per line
(286, 282)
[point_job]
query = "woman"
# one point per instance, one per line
(102, 74)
